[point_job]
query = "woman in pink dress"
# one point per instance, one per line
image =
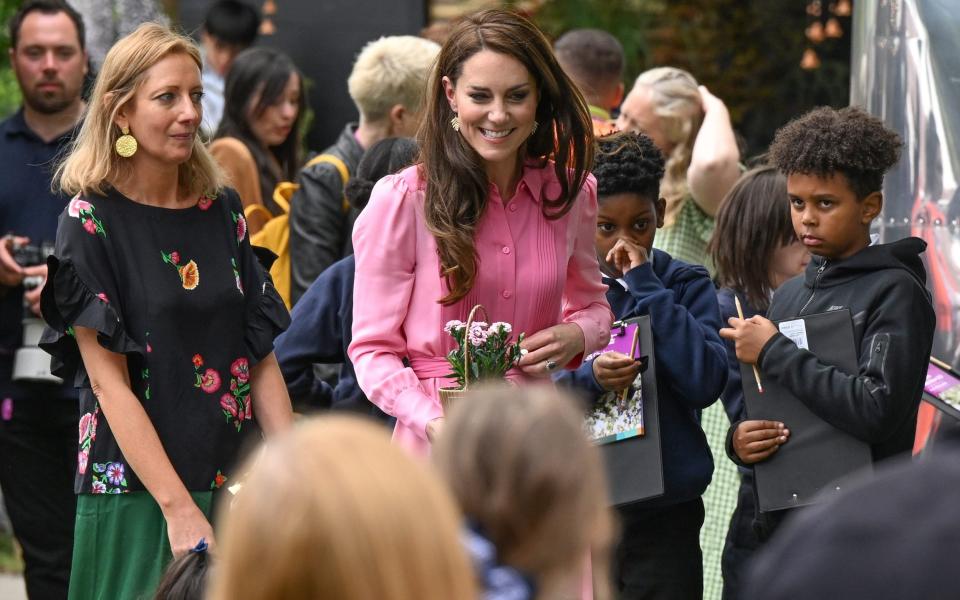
(486, 218)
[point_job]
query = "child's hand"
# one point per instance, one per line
(626, 255)
(749, 336)
(754, 441)
(615, 371)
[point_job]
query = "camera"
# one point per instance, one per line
(30, 363)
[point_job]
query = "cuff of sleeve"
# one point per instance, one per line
(596, 335)
(777, 339)
(422, 409)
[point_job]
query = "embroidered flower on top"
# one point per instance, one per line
(83, 210)
(88, 433)
(189, 273)
(241, 226)
(208, 380)
(237, 406)
(205, 201)
(218, 481)
(109, 478)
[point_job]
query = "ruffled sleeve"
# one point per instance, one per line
(81, 291)
(266, 315)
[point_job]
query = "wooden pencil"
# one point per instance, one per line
(756, 372)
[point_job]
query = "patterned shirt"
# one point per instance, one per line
(180, 293)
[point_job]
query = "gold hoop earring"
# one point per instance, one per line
(126, 145)
(455, 123)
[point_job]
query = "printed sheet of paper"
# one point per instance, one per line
(943, 385)
(797, 332)
(614, 419)
(617, 416)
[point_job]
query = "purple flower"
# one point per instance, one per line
(98, 487)
(115, 474)
(500, 327)
(82, 458)
(452, 325)
(478, 335)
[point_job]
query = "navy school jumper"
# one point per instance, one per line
(320, 332)
(691, 364)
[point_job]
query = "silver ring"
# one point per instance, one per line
(550, 365)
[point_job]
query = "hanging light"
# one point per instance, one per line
(833, 29)
(269, 9)
(843, 9)
(814, 8)
(810, 60)
(815, 32)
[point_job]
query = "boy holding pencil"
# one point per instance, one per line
(834, 161)
(659, 554)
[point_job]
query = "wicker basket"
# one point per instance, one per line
(450, 396)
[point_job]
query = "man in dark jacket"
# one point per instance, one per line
(386, 84)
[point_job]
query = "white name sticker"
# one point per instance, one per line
(797, 332)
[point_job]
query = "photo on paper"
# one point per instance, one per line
(615, 417)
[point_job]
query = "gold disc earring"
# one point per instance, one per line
(126, 145)
(455, 122)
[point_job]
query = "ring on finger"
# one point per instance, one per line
(550, 365)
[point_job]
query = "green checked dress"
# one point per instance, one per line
(687, 238)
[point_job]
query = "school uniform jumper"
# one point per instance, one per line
(533, 273)
(320, 333)
(659, 555)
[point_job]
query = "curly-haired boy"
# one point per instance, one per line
(834, 161)
(659, 554)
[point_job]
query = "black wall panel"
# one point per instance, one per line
(323, 37)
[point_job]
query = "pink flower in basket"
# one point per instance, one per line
(483, 352)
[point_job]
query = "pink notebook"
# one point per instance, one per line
(618, 415)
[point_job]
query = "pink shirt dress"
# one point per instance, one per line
(533, 273)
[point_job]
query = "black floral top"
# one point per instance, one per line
(182, 295)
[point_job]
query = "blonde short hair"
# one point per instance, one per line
(335, 510)
(675, 95)
(92, 162)
(520, 465)
(389, 71)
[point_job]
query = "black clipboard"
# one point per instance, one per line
(818, 458)
(635, 465)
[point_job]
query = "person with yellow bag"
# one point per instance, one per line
(257, 143)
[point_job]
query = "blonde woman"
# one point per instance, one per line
(160, 312)
(335, 511)
(530, 484)
(692, 128)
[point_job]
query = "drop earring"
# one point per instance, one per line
(534, 130)
(126, 145)
(455, 122)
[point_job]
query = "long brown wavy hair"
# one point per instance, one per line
(456, 181)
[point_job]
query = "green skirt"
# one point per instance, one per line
(120, 547)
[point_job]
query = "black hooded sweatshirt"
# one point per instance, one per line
(893, 325)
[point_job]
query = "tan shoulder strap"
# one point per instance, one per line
(341, 168)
